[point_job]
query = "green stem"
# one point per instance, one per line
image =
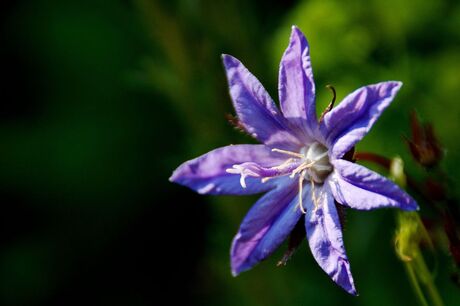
(411, 232)
(425, 278)
(415, 284)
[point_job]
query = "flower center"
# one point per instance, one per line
(311, 164)
(316, 162)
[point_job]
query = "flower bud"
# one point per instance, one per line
(424, 145)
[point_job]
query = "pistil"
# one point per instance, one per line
(311, 163)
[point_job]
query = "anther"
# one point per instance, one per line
(301, 178)
(313, 194)
(302, 168)
(285, 164)
(290, 153)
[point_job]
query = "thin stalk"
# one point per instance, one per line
(411, 232)
(415, 284)
(425, 278)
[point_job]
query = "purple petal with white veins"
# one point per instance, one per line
(351, 120)
(360, 188)
(255, 109)
(207, 174)
(296, 85)
(266, 226)
(324, 233)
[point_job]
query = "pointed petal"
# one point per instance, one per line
(324, 233)
(360, 188)
(352, 119)
(207, 174)
(296, 85)
(254, 107)
(266, 226)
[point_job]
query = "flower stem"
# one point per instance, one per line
(410, 233)
(427, 281)
(415, 285)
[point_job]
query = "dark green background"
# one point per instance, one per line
(101, 100)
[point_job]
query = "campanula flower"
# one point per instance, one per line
(299, 164)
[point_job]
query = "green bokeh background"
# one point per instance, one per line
(103, 99)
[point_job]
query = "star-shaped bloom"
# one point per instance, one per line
(299, 164)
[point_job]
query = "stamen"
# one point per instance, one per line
(283, 165)
(265, 179)
(313, 194)
(294, 154)
(301, 178)
(301, 168)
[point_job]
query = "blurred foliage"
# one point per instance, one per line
(104, 99)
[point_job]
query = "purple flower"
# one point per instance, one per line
(299, 165)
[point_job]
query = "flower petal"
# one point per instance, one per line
(207, 174)
(324, 233)
(352, 119)
(296, 85)
(360, 188)
(254, 107)
(266, 226)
